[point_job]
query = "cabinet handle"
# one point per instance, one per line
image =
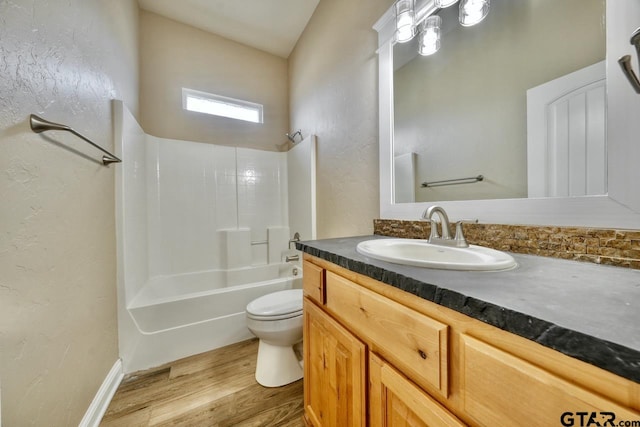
(422, 354)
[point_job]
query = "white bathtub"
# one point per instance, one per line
(177, 316)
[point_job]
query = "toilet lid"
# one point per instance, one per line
(277, 304)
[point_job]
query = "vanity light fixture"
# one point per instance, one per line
(429, 42)
(405, 20)
(473, 11)
(410, 21)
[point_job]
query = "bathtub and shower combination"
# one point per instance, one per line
(190, 261)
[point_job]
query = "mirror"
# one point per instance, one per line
(462, 112)
(619, 208)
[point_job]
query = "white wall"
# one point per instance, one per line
(181, 203)
(63, 60)
(262, 195)
(131, 204)
(195, 190)
(623, 126)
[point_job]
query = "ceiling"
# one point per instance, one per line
(273, 26)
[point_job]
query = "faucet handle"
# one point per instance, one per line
(459, 238)
(296, 238)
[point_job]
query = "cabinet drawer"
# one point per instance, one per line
(413, 342)
(313, 282)
(501, 389)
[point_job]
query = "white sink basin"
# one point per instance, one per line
(420, 253)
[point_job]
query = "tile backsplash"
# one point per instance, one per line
(600, 246)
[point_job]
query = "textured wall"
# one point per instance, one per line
(63, 60)
(333, 94)
(174, 55)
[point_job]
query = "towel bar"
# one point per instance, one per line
(469, 180)
(38, 125)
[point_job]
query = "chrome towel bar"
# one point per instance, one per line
(469, 180)
(38, 125)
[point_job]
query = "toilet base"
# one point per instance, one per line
(277, 365)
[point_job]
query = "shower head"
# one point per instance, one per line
(292, 137)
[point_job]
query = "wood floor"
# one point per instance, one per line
(217, 388)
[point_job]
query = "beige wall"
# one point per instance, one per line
(334, 94)
(63, 60)
(174, 55)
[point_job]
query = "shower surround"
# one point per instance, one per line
(202, 230)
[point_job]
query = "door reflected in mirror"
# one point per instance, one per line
(462, 112)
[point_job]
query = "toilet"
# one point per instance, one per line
(276, 319)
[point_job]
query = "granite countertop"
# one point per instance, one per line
(587, 311)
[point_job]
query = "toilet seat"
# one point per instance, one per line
(276, 306)
(273, 318)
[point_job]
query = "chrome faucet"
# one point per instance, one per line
(444, 221)
(294, 257)
(445, 239)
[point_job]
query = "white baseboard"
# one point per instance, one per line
(103, 397)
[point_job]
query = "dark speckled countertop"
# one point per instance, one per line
(586, 311)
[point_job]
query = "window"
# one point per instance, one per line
(209, 103)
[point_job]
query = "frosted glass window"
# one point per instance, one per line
(217, 105)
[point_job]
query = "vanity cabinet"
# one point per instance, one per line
(334, 369)
(426, 365)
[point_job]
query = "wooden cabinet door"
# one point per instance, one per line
(394, 401)
(500, 389)
(334, 372)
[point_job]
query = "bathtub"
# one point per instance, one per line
(181, 315)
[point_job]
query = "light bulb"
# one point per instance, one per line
(441, 4)
(430, 36)
(405, 20)
(473, 11)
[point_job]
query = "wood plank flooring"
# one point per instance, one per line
(214, 389)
